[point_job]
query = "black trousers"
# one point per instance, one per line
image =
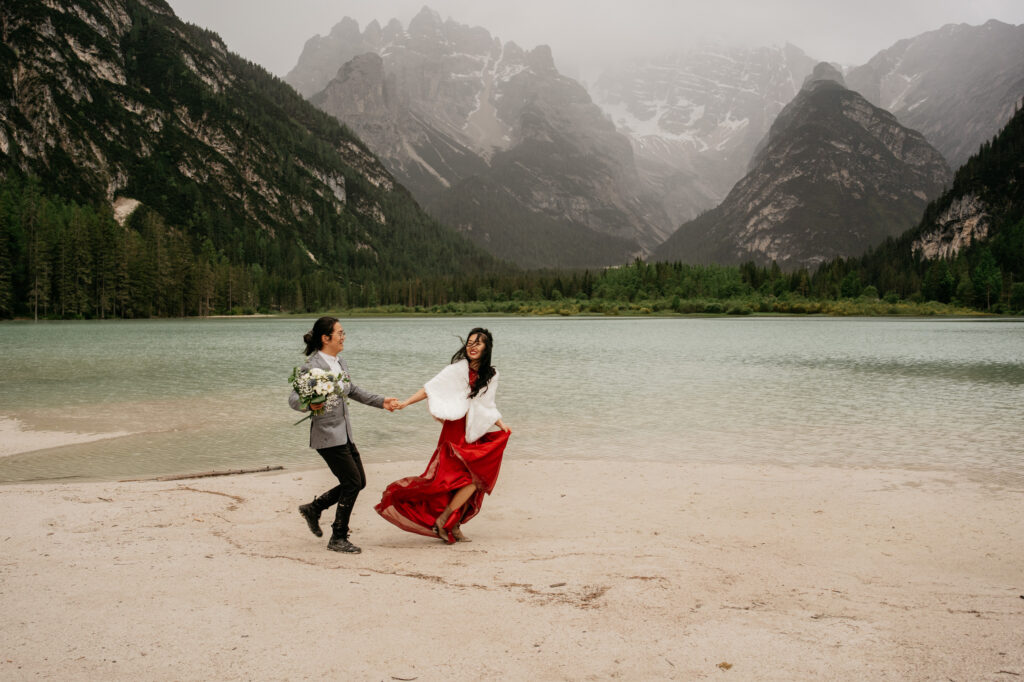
(346, 465)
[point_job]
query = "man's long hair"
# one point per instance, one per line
(314, 338)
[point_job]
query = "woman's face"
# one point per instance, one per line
(475, 347)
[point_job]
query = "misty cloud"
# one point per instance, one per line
(585, 32)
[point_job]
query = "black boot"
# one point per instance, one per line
(339, 542)
(339, 535)
(311, 512)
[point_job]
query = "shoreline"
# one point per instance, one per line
(625, 314)
(577, 570)
(15, 439)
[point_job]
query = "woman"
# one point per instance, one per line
(467, 459)
(330, 433)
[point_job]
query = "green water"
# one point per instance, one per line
(195, 395)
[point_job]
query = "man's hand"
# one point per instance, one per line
(392, 404)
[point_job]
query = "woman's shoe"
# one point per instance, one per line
(439, 529)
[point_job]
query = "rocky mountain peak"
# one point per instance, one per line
(392, 31)
(957, 84)
(346, 29)
(427, 24)
(824, 71)
(541, 60)
(372, 33)
(836, 176)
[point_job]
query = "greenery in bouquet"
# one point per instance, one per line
(319, 390)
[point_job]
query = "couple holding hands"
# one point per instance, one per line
(464, 465)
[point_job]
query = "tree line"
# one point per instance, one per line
(62, 260)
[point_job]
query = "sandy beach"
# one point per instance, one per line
(577, 571)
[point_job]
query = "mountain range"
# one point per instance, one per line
(119, 103)
(489, 137)
(493, 141)
(835, 173)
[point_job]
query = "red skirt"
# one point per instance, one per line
(414, 503)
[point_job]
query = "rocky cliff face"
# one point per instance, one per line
(82, 105)
(370, 102)
(956, 85)
(450, 109)
(835, 176)
(694, 118)
(965, 221)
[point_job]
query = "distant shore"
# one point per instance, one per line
(902, 311)
(577, 570)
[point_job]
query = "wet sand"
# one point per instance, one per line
(15, 438)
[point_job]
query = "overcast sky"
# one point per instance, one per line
(273, 32)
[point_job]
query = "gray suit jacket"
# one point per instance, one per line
(333, 428)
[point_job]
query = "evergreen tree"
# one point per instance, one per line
(37, 251)
(987, 279)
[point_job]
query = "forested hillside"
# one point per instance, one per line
(978, 227)
(251, 198)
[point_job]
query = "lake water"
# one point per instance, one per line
(196, 395)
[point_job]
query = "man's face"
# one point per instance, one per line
(335, 343)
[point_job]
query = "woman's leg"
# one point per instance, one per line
(460, 498)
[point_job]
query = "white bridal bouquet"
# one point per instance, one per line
(318, 389)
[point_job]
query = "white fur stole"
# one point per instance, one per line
(448, 398)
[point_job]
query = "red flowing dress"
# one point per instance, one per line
(415, 502)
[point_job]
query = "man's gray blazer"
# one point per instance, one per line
(333, 428)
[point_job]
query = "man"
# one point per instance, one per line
(330, 433)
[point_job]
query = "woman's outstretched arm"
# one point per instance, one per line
(414, 398)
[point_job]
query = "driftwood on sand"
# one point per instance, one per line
(204, 474)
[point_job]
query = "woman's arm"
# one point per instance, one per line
(414, 398)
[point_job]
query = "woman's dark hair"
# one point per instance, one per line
(484, 373)
(314, 338)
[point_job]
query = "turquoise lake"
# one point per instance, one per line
(197, 395)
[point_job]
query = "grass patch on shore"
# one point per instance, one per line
(760, 306)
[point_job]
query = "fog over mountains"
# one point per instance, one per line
(958, 85)
(548, 171)
(489, 137)
(695, 117)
